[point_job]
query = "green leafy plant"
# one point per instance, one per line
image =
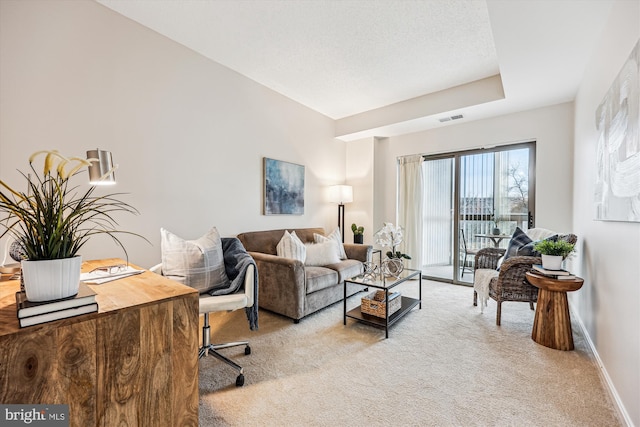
(357, 230)
(53, 220)
(558, 248)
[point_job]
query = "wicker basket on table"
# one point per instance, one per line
(374, 304)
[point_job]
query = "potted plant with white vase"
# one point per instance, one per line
(52, 220)
(553, 252)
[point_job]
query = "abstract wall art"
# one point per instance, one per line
(617, 184)
(283, 188)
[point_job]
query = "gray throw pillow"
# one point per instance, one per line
(196, 263)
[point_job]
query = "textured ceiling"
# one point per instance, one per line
(350, 57)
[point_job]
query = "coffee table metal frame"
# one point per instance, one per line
(386, 284)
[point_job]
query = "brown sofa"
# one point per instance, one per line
(290, 288)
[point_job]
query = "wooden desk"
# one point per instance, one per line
(134, 362)
(552, 323)
(495, 238)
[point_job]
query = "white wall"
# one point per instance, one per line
(609, 254)
(550, 127)
(188, 134)
(360, 174)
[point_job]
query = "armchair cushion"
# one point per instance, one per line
(197, 263)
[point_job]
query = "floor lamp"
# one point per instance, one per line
(341, 194)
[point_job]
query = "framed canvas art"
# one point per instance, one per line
(617, 185)
(283, 188)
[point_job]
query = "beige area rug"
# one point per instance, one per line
(444, 365)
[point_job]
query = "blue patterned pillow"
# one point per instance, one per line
(519, 239)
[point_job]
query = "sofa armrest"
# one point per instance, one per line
(281, 284)
(358, 252)
(488, 258)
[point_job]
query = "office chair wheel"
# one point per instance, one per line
(240, 380)
(247, 350)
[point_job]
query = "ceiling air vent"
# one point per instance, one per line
(447, 119)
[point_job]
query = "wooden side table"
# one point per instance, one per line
(552, 323)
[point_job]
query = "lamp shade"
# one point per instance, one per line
(101, 171)
(341, 194)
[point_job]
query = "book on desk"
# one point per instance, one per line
(552, 274)
(32, 313)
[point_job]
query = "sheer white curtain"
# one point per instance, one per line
(410, 207)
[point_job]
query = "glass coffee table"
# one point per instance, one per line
(386, 284)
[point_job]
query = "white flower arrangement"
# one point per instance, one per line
(391, 236)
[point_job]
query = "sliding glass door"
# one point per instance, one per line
(474, 199)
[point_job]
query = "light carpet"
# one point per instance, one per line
(444, 365)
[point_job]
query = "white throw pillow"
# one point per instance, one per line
(320, 254)
(290, 246)
(333, 236)
(539, 233)
(196, 263)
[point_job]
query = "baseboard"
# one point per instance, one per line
(603, 373)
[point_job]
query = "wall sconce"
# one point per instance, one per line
(341, 194)
(101, 171)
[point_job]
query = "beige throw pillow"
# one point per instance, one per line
(334, 236)
(290, 246)
(196, 263)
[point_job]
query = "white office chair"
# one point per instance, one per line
(230, 302)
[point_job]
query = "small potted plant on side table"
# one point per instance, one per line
(553, 253)
(358, 233)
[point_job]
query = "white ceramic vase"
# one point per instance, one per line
(47, 280)
(552, 262)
